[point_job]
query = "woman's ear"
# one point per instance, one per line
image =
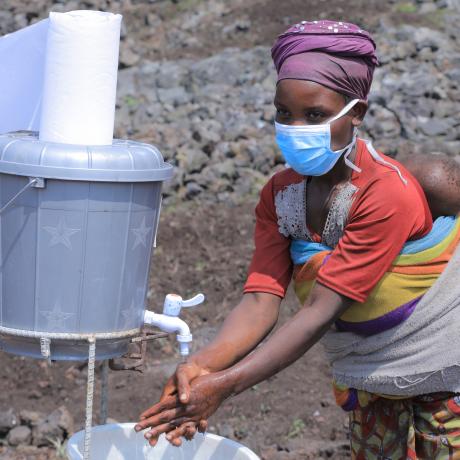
(358, 112)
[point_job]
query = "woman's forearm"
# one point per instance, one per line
(288, 343)
(246, 326)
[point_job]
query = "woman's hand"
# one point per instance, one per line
(178, 384)
(170, 416)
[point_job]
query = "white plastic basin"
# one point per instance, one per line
(120, 442)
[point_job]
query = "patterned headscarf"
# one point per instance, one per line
(338, 55)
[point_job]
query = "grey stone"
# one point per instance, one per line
(207, 131)
(424, 36)
(172, 74)
(171, 187)
(7, 22)
(30, 418)
(434, 127)
(193, 20)
(56, 426)
(8, 420)
(242, 25)
(381, 122)
(192, 160)
(145, 79)
(442, 4)
(404, 50)
(138, 116)
(263, 155)
(222, 68)
(174, 96)
(225, 430)
(417, 84)
(452, 148)
(226, 169)
(253, 95)
(126, 84)
(211, 177)
(426, 54)
(20, 21)
(128, 56)
(19, 435)
(453, 4)
(249, 182)
(454, 74)
(192, 190)
(427, 8)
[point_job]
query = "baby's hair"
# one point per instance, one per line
(439, 176)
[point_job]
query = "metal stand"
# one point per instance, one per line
(104, 392)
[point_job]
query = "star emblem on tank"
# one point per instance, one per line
(61, 234)
(130, 315)
(56, 318)
(140, 234)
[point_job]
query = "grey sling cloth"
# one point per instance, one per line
(419, 356)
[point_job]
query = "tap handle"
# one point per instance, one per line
(173, 303)
(199, 298)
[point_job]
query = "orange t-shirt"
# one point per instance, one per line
(384, 215)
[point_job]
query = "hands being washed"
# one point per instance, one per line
(190, 396)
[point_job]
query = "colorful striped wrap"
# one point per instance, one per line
(394, 298)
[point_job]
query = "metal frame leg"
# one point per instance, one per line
(104, 392)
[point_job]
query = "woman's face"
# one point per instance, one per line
(301, 102)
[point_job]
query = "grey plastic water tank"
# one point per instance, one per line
(75, 248)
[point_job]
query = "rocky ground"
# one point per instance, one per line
(196, 79)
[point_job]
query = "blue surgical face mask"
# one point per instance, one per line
(307, 148)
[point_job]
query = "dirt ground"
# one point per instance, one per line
(201, 248)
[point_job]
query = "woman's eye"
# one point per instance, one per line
(282, 112)
(314, 116)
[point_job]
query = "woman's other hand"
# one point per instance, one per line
(179, 382)
(177, 386)
(171, 416)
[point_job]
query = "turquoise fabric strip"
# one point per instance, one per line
(442, 226)
(302, 251)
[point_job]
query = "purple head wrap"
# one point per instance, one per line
(338, 55)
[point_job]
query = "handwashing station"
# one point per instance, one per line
(79, 213)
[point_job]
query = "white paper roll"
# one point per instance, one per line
(80, 78)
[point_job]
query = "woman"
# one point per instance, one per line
(353, 229)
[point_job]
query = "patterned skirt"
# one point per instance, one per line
(422, 427)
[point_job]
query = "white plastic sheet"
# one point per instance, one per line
(59, 76)
(22, 60)
(80, 80)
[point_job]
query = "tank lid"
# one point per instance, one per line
(23, 154)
